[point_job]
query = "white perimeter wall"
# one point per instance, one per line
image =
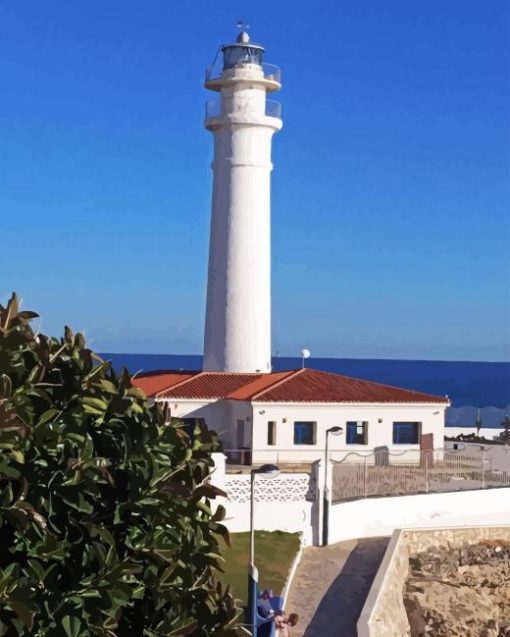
(381, 516)
(285, 503)
(326, 416)
(292, 517)
(293, 503)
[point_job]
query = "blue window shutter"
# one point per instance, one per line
(303, 433)
(406, 433)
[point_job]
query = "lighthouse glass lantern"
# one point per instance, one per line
(241, 53)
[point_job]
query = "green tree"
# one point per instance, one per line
(106, 523)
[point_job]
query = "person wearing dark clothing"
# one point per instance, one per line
(264, 608)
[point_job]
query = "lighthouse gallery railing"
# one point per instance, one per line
(271, 72)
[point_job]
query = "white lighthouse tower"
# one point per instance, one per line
(243, 121)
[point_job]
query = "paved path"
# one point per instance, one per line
(331, 584)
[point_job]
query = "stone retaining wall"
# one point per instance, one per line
(384, 614)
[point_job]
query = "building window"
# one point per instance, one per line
(190, 424)
(406, 433)
(304, 433)
(357, 433)
(271, 432)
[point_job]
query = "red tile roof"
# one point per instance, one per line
(310, 385)
(153, 382)
(295, 386)
(210, 385)
(260, 384)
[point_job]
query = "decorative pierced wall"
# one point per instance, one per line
(287, 487)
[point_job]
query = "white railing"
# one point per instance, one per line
(213, 108)
(385, 473)
(273, 109)
(271, 72)
(289, 460)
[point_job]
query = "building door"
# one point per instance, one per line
(244, 454)
(240, 434)
(427, 449)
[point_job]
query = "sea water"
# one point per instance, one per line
(469, 385)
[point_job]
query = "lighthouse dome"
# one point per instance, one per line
(243, 38)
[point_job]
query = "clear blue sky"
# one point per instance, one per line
(390, 208)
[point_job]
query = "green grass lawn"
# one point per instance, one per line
(274, 553)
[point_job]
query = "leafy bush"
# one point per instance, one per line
(105, 517)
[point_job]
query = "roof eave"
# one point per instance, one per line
(356, 402)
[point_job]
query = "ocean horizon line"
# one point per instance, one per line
(468, 384)
(343, 358)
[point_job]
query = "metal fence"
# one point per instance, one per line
(289, 461)
(384, 473)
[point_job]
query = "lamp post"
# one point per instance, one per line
(266, 471)
(325, 509)
(505, 435)
(478, 422)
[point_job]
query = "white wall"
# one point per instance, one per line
(326, 416)
(284, 503)
(288, 504)
(381, 516)
(239, 410)
(215, 413)
(222, 416)
(190, 408)
(292, 517)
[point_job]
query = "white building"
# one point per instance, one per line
(283, 416)
(280, 416)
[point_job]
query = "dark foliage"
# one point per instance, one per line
(106, 524)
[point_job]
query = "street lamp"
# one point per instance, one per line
(325, 509)
(478, 422)
(505, 435)
(267, 471)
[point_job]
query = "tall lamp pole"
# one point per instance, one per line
(325, 508)
(266, 471)
(505, 435)
(478, 422)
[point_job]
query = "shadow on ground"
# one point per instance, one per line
(340, 607)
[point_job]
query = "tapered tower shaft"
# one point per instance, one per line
(243, 121)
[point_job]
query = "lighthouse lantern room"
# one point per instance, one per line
(243, 121)
(242, 52)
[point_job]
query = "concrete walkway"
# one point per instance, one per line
(331, 585)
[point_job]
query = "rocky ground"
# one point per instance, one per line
(463, 592)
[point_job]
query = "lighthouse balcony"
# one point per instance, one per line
(268, 75)
(213, 110)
